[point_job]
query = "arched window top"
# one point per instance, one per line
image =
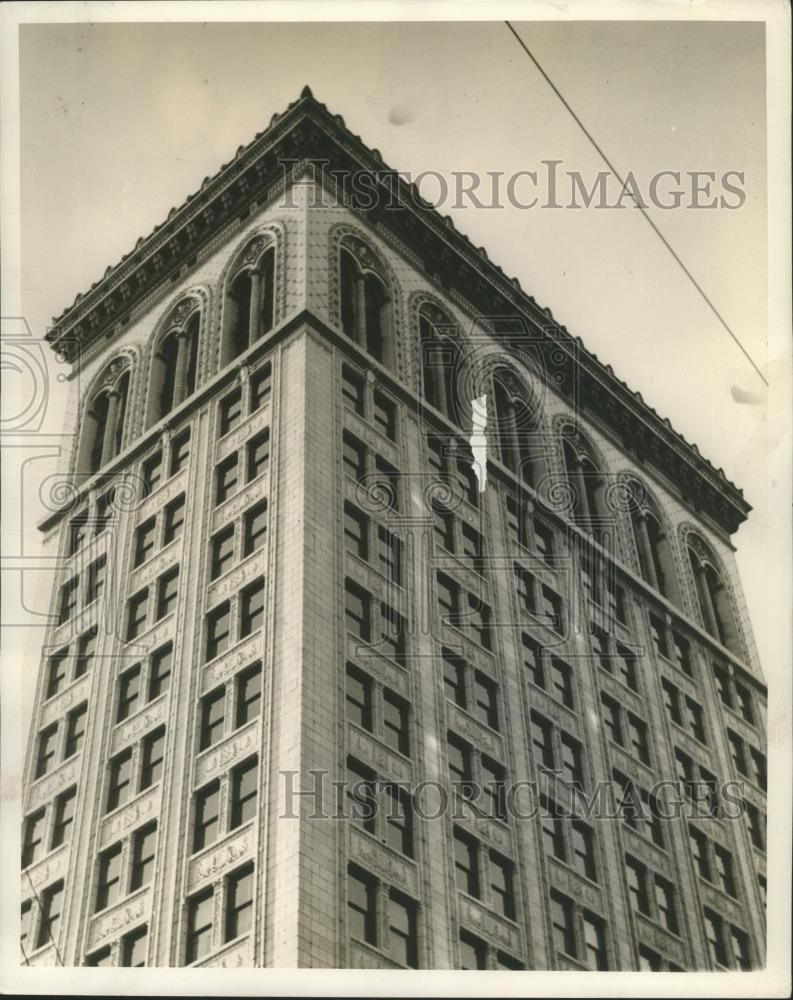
(578, 448)
(436, 322)
(249, 302)
(104, 420)
(186, 311)
(252, 256)
(174, 361)
(701, 554)
(712, 591)
(367, 261)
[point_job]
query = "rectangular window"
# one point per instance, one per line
(532, 660)
(384, 415)
(167, 593)
(583, 842)
(160, 671)
(399, 820)
(563, 924)
(649, 960)
(213, 714)
(226, 475)
(388, 478)
(479, 622)
(252, 608)
(543, 541)
(244, 788)
(682, 653)
(359, 697)
(361, 790)
(222, 551)
(48, 741)
(200, 910)
(760, 776)
(745, 707)
(493, 778)
(356, 611)
(473, 952)
(454, 678)
(353, 456)
(448, 599)
(356, 531)
(174, 519)
(218, 630)
(551, 610)
(65, 805)
(724, 869)
(625, 667)
(207, 816)
(443, 528)
(129, 692)
(392, 632)
(395, 722)
(562, 681)
(258, 454)
(695, 720)
(230, 411)
(740, 949)
(505, 961)
(658, 636)
(136, 614)
(254, 528)
(389, 555)
(552, 830)
(459, 760)
(78, 531)
(261, 386)
(665, 903)
(501, 893)
(485, 706)
(86, 649)
(737, 752)
(699, 851)
(51, 910)
(33, 837)
(239, 903)
(714, 934)
(542, 740)
(471, 546)
(572, 769)
(134, 947)
(144, 540)
(75, 730)
(352, 390)
(525, 584)
(249, 694)
(152, 758)
(636, 875)
(402, 938)
(361, 910)
(466, 865)
(152, 472)
(672, 701)
(56, 672)
(594, 942)
(120, 780)
(637, 738)
(68, 600)
(108, 884)
(516, 521)
(143, 843)
(97, 574)
(180, 451)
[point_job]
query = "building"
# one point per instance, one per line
(279, 572)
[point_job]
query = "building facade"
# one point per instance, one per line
(333, 681)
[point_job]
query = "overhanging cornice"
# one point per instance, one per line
(307, 131)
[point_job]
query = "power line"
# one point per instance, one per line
(641, 208)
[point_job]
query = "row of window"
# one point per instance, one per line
(455, 535)
(713, 861)
(143, 682)
(380, 807)
(63, 668)
(382, 916)
(139, 610)
(133, 859)
(370, 403)
(248, 608)
(748, 760)
(377, 709)
(241, 466)
(372, 543)
(226, 547)
(159, 530)
(364, 464)
(374, 621)
(232, 406)
(651, 894)
(538, 599)
(94, 584)
(465, 610)
(236, 907)
(225, 803)
(58, 743)
(135, 769)
(484, 873)
(34, 845)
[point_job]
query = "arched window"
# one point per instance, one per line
(440, 354)
(174, 361)
(249, 309)
(586, 483)
(712, 594)
(656, 563)
(105, 416)
(366, 301)
(515, 424)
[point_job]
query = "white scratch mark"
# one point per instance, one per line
(478, 441)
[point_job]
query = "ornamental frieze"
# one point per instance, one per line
(231, 509)
(232, 749)
(722, 903)
(543, 702)
(574, 884)
(382, 861)
(362, 957)
(44, 789)
(133, 728)
(631, 765)
(129, 815)
(57, 707)
(242, 655)
(48, 870)
(237, 956)
(220, 857)
(372, 438)
(645, 850)
(384, 671)
(237, 578)
(119, 917)
(387, 764)
(490, 925)
(665, 941)
(477, 734)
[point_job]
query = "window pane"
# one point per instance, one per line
(361, 917)
(252, 608)
(255, 528)
(143, 856)
(174, 520)
(359, 697)
(258, 454)
(239, 905)
(218, 626)
(160, 671)
(134, 947)
(395, 722)
(199, 925)
(244, 788)
(64, 817)
(249, 694)
(403, 945)
(207, 816)
(152, 762)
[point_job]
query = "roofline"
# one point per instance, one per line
(234, 188)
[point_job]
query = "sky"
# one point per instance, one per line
(121, 122)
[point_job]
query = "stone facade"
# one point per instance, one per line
(564, 673)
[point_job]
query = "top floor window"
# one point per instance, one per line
(515, 422)
(366, 301)
(440, 358)
(713, 597)
(249, 308)
(105, 418)
(174, 361)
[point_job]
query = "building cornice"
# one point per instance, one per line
(308, 132)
